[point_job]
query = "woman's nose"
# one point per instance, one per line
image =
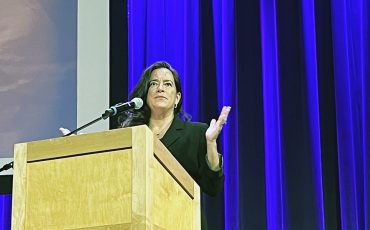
(160, 87)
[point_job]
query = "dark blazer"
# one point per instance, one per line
(187, 142)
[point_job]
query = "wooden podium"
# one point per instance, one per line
(118, 179)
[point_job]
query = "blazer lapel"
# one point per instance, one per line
(174, 132)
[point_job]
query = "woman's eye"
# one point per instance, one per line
(168, 84)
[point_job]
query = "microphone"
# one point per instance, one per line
(135, 103)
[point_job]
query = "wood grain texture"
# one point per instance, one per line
(129, 180)
(174, 167)
(196, 207)
(19, 186)
(125, 226)
(79, 192)
(173, 208)
(79, 144)
(142, 177)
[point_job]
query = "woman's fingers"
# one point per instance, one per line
(213, 122)
(222, 119)
(215, 127)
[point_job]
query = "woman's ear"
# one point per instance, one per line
(178, 97)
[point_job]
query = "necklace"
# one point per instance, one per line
(163, 131)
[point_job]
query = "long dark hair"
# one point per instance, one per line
(142, 116)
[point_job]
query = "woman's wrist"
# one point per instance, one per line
(211, 142)
(215, 164)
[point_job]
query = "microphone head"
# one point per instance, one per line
(138, 102)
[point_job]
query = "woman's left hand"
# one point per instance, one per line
(215, 127)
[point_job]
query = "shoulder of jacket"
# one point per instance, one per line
(197, 125)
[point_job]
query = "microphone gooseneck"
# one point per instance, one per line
(135, 103)
(7, 166)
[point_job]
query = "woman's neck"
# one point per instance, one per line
(160, 120)
(159, 124)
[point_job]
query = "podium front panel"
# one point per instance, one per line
(79, 192)
(119, 179)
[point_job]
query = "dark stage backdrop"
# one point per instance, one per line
(296, 74)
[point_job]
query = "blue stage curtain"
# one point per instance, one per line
(227, 91)
(351, 68)
(5, 211)
(275, 191)
(297, 74)
(351, 58)
(166, 30)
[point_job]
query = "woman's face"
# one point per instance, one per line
(162, 93)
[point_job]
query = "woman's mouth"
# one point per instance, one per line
(160, 97)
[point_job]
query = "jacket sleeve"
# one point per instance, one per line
(211, 182)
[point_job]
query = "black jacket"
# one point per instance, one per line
(187, 142)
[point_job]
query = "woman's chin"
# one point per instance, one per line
(161, 108)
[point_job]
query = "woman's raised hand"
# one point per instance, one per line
(215, 127)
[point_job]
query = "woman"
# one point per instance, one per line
(193, 144)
